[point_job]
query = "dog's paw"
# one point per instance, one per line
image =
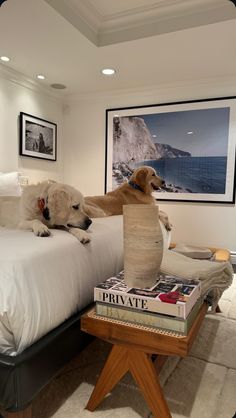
(85, 239)
(168, 226)
(165, 220)
(81, 235)
(41, 231)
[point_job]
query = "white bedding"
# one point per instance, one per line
(43, 281)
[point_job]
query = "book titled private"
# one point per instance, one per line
(170, 295)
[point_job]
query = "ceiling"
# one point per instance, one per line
(106, 22)
(148, 42)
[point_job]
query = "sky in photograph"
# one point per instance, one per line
(202, 132)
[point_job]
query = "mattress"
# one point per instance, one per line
(43, 281)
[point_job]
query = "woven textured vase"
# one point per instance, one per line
(143, 245)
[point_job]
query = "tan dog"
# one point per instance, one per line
(142, 183)
(50, 205)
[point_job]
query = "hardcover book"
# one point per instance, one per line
(169, 296)
(151, 319)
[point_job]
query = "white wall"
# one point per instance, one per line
(15, 98)
(81, 150)
(84, 157)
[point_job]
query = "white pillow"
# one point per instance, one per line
(9, 184)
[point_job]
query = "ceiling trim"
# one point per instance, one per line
(139, 22)
(220, 86)
(163, 9)
(83, 21)
(165, 25)
(17, 77)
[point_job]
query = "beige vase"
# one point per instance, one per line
(143, 245)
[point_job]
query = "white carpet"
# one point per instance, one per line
(201, 386)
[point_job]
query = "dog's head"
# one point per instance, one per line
(147, 179)
(64, 207)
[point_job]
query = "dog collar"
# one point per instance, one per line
(43, 209)
(135, 186)
(41, 204)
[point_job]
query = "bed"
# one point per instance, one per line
(45, 286)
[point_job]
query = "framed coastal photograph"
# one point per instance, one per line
(38, 137)
(191, 145)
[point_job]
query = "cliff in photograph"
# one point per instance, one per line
(132, 141)
(166, 151)
(132, 144)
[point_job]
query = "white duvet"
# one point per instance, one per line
(43, 281)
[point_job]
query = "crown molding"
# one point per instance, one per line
(214, 87)
(162, 9)
(162, 16)
(20, 79)
(79, 16)
(157, 23)
(220, 86)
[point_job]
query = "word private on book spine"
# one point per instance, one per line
(170, 295)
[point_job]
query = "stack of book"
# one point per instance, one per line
(171, 304)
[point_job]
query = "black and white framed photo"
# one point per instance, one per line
(191, 144)
(38, 137)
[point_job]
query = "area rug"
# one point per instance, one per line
(203, 385)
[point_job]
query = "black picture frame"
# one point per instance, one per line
(190, 143)
(38, 137)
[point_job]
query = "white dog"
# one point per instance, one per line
(50, 205)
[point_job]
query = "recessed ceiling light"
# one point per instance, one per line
(190, 133)
(41, 77)
(5, 59)
(108, 71)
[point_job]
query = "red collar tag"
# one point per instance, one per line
(41, 204)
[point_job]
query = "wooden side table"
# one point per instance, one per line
(133, 347)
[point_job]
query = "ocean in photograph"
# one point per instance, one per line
(192, 174)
